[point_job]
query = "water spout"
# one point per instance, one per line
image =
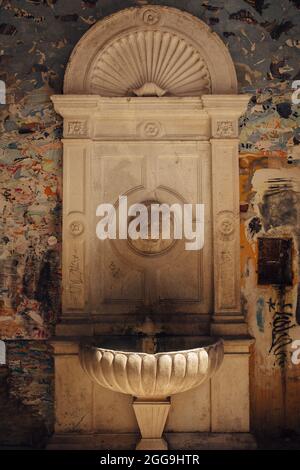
(149, 340)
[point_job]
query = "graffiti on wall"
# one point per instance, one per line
(282, 323)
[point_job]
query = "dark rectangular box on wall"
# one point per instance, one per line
(275, 261)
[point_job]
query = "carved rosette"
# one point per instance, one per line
(225, 256)
(150, 16)
(150, 129)
(226, 225)
(76, 227)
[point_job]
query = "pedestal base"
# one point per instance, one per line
(176, 441)
(152, 444)
(151, 416)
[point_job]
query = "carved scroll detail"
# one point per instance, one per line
(75, 276)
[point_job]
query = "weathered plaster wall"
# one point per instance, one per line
(270, 207)
(26, 394)
(36, 39)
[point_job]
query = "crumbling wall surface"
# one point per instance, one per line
(270, 203)
(36, 39)
(26, 394)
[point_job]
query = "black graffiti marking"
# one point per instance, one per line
(255, 226)
(281, 325)
(272, 305)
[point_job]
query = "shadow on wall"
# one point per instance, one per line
(18, 426)
(26, 394)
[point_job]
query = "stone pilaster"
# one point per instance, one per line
(224, 112)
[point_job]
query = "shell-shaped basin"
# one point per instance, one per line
(156, 375)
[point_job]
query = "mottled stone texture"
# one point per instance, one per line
(36, 39)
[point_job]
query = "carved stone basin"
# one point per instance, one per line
(152, 377)
(155, 375)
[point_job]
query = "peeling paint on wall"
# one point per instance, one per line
(30, 208)
(270, 198)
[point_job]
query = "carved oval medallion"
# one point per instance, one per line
(151, 246)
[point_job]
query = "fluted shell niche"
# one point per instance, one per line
(149, 63)
(150, 51)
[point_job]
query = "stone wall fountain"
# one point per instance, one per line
(151, 112)
(151, 379)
